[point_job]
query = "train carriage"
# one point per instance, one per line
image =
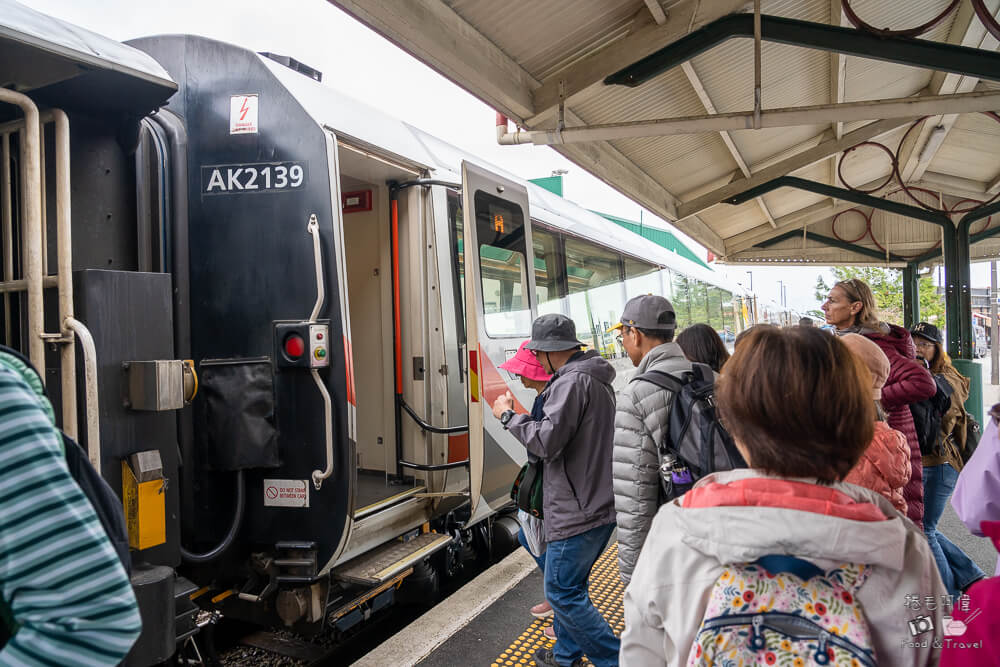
(298, 307)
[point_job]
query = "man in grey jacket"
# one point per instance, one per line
(573, 439)
(647, 331)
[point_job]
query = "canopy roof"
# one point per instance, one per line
(658, 100)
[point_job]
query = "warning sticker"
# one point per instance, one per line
(243, 114)
(286, 493)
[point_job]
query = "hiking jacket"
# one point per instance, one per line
(641, 421)
(908, 382)
(574, 439)
(688, 548)
(885, 466)
(65, 598)
(953, 421)
(977, 492)
(978, 645)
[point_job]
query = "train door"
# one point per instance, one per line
(499, 284)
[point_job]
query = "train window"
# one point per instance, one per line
(458, 252)
(683, 290)
(502, 251)
(549, 282)
(596, 292)
(729, 324)
(715, 300)
(641, 278)
(635, 268)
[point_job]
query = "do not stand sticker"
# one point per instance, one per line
(286, 493)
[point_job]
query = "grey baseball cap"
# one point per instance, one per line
(648, 311)
(552, 333)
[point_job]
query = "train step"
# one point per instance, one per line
(383, 563)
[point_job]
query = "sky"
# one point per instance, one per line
(362, 64)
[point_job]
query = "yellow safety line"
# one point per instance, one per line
(606, 591)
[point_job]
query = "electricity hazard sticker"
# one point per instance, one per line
(286, 493)
(243, 114)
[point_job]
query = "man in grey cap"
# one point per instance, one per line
(573, 439)
(647, 330)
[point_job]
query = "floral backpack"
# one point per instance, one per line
(782, 610)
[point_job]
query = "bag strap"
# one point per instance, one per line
(661, 379)
(779, 563)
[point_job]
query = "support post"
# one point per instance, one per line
(994, 327)
(911, 296)
(958, 306)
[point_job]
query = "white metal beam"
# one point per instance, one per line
(838, 83)
(656, 11)
(727, 139)
(955, 185)
(819, 152)
(684, 17)
(433, 33)
(993, 187)
(916, 157)
(820, 114)
(838, 68)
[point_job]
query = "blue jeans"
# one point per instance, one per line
(957, 569)
(580, 628)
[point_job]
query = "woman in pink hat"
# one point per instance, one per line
(526, 367)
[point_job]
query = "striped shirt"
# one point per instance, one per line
(61, 583)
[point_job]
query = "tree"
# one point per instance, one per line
(822, 289)
(887, 287)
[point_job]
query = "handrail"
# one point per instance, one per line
(64, 272)
(433, 468)
(319, 475)
(90, 380)
(444, 430)
(31, 180)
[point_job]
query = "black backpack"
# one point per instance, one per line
(696, 443)
(927, 417)
(106, 503)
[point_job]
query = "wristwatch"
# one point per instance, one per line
(506, 417)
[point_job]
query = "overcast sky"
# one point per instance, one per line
(362, 64)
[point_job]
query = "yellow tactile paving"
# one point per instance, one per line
(606, 590)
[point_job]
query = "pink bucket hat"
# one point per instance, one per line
(524, 363)
(872, 356)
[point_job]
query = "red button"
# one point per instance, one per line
(294, 346)
(319, 336)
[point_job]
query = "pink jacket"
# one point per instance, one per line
(885, 465)
(976, 643)
(908, 382)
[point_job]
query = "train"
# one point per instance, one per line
(274, 318)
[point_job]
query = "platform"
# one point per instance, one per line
(487, 623)
(498, 631)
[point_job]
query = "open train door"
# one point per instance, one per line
(499, 289)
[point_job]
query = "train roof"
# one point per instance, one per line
(54, 60)
(368, 127)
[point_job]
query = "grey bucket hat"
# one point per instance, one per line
(552, 333)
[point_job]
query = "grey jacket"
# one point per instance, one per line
(574, 441)
(640, 425)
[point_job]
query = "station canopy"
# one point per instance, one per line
(657, 98)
